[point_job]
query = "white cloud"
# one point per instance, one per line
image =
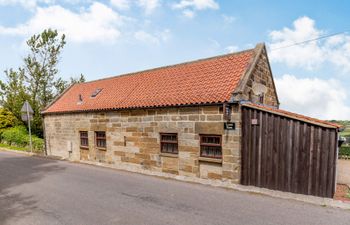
(121, 4)
(197, 4)
(228, 19)
(232, 48)
(155, 39)
(214, 43)
(97, 23)
(311, 55)
(189, 7)
(30, 4)
(325, 99)
(188, 13)
(149, 5)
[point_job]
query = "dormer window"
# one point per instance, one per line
(96, 92)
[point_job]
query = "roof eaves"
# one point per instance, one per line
(244, 79)
(57, 98)
(291, 115)
(134, 108)
(273, 80)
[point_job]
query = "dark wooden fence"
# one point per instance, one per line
(286, 154)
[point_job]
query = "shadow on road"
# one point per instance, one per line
(17, 170)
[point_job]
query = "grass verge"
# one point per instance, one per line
(2, 145)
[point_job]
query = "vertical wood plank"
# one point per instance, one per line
(253, 151)
(281, 151)
(296, 156)
(264, 139)
(288, 172)
(270, 151)
(335, 156)
(249, 156)
(307, 159)
(244, 146)
(315, 156)
(287, 154)
(331, 163)
(324, 159)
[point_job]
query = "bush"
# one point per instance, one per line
(38, 143)
(7, 119)
(18, 136)
(344, 151)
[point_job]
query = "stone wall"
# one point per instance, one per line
(261, 75)
(133, 140)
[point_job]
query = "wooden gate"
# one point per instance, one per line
(287, 154)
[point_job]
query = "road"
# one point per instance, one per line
(42, 191)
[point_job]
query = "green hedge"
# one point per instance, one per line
(344, 150)
(18, 136)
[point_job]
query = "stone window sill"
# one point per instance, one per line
(84, 147)
(212, 160)
(101, 149)
(169, 155)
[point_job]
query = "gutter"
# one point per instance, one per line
(133, 108)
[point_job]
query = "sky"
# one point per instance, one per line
(112, 37)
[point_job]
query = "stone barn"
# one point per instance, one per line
(214, 119)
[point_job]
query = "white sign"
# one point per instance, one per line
(26, 108)
(25, 117)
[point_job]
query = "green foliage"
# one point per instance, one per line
(7, 119)
(40, 68)
(345, 126)
(62, 85)
(38, 143)
(36, 81)
(344, 151)
(13, 91)
(18, 136)
(2, 145)
(15, 136)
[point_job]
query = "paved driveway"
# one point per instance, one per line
(41, 191)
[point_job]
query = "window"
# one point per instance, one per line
(84, 139)
(168, 143)
(96, 92)
(100, 139)
(211, 146)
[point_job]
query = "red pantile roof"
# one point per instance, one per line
(203, 81)
(292, 115)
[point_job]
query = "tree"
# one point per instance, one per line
(40, 69)
(37, 80)
(13, 92)
(7, 119)
(41, 66)
(62, 85)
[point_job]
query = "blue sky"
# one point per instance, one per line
(112, 37)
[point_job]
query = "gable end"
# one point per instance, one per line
(258, 73)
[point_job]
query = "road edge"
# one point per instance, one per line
(324, 202)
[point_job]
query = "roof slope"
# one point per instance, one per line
(210, 80)
(292, 115)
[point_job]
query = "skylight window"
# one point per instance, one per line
(96, 92)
